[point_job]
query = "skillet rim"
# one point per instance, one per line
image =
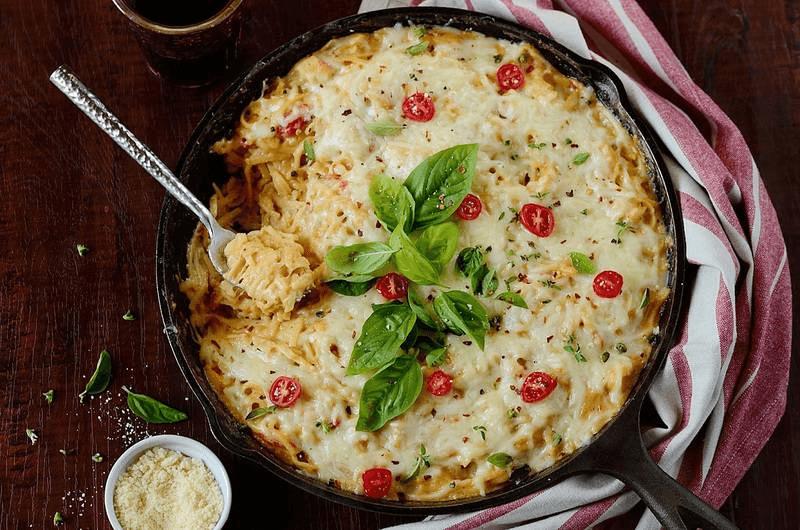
(235, 437)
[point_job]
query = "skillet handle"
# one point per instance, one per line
(674, 506)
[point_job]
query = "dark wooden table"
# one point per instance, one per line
(64, 183)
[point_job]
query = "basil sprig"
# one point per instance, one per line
(382, 334)
(358, 262)
(389, 393)
(438, 243)
(462, 313)
(151, 410)
(441, 182)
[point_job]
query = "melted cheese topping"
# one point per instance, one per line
(276, 317)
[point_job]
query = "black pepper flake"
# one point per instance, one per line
(433, 412)
(348, 410)
(320, 314)
(301, 456)
(347, 112)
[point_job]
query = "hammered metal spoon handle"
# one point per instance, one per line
(85, 100)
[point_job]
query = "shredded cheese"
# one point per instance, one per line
(167, 489)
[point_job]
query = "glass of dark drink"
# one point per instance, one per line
(188, 42)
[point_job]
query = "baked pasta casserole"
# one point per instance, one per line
(449, 265)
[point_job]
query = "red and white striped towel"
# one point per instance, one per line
(723, 388)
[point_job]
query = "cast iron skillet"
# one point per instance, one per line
(617, 450)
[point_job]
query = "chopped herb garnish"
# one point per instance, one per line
(308, 149)
(551, 284)
(645, 298)
(260, 412)
(129, 315)
(534, 145)
(541, 195)
(32, 436)
(620, 347)
(48, 396)
(501, 460)
(556, 438)
(419, 31)
(582, 263)
(502, 214)
(498, 58)
(385, 127)
(58, 520)
(82, 249)
(580, 158)
(417, 48)
(480, 429)
(97, 458)
(513, 298)
(423, 462)
(604, 357)
(585, 211)
(512, 413)
(575, 349)
(326, 426)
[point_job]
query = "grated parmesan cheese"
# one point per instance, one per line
(167, 489)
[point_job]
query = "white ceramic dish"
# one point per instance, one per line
(187, 446)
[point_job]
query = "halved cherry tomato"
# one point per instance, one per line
(439, 383)
(392, 286)
(292, 128)
(537, 219)
(607, 284)
(284, 391)
(510, 77)
(376, 482)
(470, 208)
(537, 386)
(418, 107)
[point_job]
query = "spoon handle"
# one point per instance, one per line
(84, 99)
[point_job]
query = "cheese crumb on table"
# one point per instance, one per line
(167, 489)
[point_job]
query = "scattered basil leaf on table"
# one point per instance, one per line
(151, 410)
(409, 261)
(101, 376)
(462, 313)
(389, 393)
(382, 334)
(392, 202)
(441, 182)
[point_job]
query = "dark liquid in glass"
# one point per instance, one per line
(177, 12)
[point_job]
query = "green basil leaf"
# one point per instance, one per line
(463, 313)
(152, 411)
(101, 376)
(260, 412)
(389, 393)
(410, 262)
(582, 263)
(385, 127)
(513, 299)
(501, 460)
(489, 283)
(418, 307)
(358, 260)
(392, 202)
(438, 243)
(436, 357)
(308, 148)
(580, 158)
(346, 288)
(441, 182)
(417, 48)
(382, 334)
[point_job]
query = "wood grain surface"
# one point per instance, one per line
(64, 183)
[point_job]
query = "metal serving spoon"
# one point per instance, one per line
(85, 100)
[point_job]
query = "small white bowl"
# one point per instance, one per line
(182, 444)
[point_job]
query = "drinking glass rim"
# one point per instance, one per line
(146, 23)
